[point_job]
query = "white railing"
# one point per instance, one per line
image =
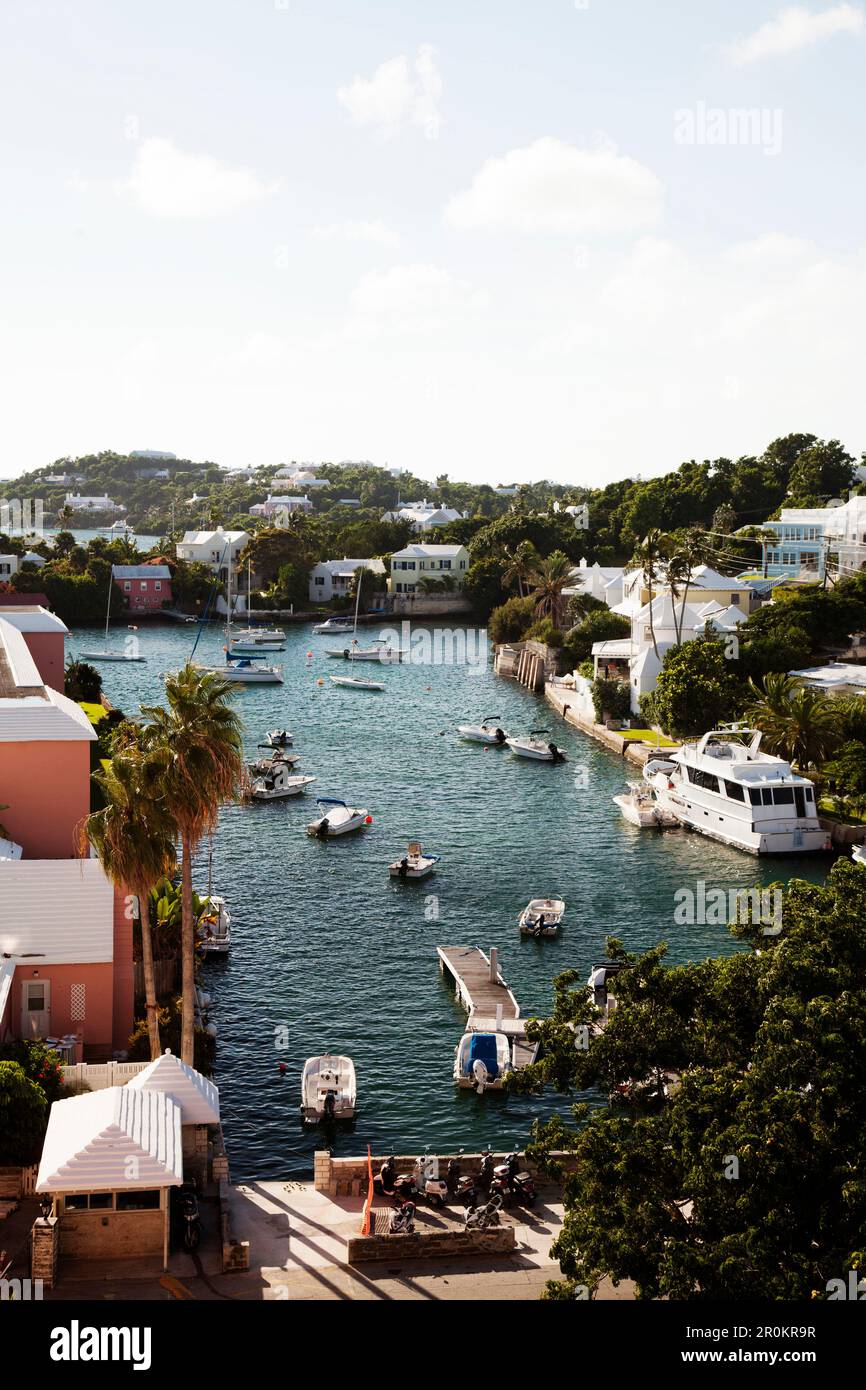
(96, 1076)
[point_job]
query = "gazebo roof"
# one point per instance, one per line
(197, 1097)
(114, 1139)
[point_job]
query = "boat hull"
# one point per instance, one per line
(108, 656)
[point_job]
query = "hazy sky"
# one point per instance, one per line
(502, 240)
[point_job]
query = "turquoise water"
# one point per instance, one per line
(327, 953)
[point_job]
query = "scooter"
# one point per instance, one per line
(481, 1218)
(452, 1176)
(400, 1187)
(428, 1183)
(510, 1184)
(187, 1215)
(485, 1172)
(403, 1220)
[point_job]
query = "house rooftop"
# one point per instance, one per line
(31, 711)
(117, 1138)
(80, 933)
(197, 1097)
(421, 548)
(141, 572)
(31, 617)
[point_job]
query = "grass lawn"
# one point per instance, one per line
(646, 736)
(94, 712)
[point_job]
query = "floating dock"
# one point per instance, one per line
(482, 991)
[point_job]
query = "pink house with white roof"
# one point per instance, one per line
(65, 939)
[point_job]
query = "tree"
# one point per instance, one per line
(648, 557)
(522, 564)
(511, 620)
(133, 836)
(680, 568)
(23, 1115)
(746, 1181)
(696, 689)
(600, 625)
(548, 579)
(82, 682)
(196, 743)
(798, 723)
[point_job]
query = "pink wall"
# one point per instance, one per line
(47, 651)
(97, 1027)
(47, 789)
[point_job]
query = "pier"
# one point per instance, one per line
(490, 1003)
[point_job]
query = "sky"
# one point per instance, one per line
(568, 239)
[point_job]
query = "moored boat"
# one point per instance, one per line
(337, 818)
(536, 748)
(414, 864)
(328, 1089)
(334, 625)
(639, 807)
(488, 731)
(482, 1061)
(214, 927)
(353, 683)
(542, 917)
(278, 785)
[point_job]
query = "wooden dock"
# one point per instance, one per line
(490, 1003)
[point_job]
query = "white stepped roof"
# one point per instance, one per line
(197, 1097)
(32, 618)
(115, 1139)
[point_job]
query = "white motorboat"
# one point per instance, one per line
(351, 683)
(261, 767)
(536, 747)
(414, 864)
(487, 731)
(334, 625)
(379, 650)
(279, 738)
(277, 785)
(639, 807)
(482, 1061)
(337, 818)
(260, 636)
(105, 653)
(328, 1089)
(254, 647)
(858, 854)
(214, 927)
(542, 917)
(238, 669)
(726, 788)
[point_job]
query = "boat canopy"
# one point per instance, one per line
(329, 801)
(482, 1048)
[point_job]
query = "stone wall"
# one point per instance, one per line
(109, 1235)
(44, 1248)
(500, 1241)
(235, 1252)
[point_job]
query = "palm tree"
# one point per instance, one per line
(648, 556)
(798, 723)
(548, 579)
(680, 569)
(521, 565)
(134, 838)
(197, 740)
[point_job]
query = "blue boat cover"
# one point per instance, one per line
(482, 1048)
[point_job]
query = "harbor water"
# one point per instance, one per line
(328, 954)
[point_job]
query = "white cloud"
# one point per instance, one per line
(166, 182)
(376, 232)
(398, 94)
(551, 186)
(406, 292)
(794, 28)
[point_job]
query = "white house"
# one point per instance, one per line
(598, 581)
(11, 564)
(421, 561)
(272, 506)
(333, 578)
(217, 549)
(78, 503)
(300, 478)
(423, 515)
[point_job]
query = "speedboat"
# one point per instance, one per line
(279, 738)
(379, 650)
(337, 818)
(482, 1061)
(351, 683)
(239, 670)
(328, 1089)
(261, 636)
(277, 785)
(485, 732)
(261, 767)
(250, 646)
(414, 864)
(213, 931)
(858, 854)
(542, 917)
(334, 625)
(536, 747)
(640, 807)
(723, 786)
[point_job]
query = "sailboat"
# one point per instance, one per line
(378, 651)
(238, 669)
(256, 641)
(105, 654)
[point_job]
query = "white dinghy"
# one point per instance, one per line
(487, 731)
(536, 747)
(279, 738)
(277, 785)
(542, 917)
(414, 863)
(353, 683)
(337, 818)
(328, 1089)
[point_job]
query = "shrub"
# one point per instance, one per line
(511, 620)
(611, 699)
(23, 1115)
(82, 682)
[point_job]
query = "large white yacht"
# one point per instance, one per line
(725, 787)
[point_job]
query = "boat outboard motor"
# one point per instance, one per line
(540, 925)
(480, 1075)
(346, 653)
(500, 735)
(404, 867)
(329, 1105)
(556, 753)
(322, 828)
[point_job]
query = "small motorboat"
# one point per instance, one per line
(278, 760)
(335, 624)
(250, 646)
(482, 1061)
(239, 670)
(639, 807)
(328, 1089)
(351, 683)
(213, 932)
(337, 818)
(858, 854)
(377, 651)
(277, 785)
(542, 917)
(414, 863)
(260, 637)
(279, 738)
(536, 747)
(487, 731)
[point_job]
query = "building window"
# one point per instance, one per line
(143, 585)
(319, 579)
(137, 1201)
(126, 586)
(735, 598)
(157, 584)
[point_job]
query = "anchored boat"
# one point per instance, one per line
(277, 785)
(351, 683)
(214, 927)
(482, 1062)
(279, 738)
(337, 818)
(334, 625)
(414, 863)
(485, 732)
(536, 747)
(328, 1089)
(542, 917)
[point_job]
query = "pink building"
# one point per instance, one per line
(44, 634)
(65, 937)
(147, 588)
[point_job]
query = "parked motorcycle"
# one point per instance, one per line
(482, 1218)
(485, 1173)
(512, 1185)
(400, 1187)
(428, 1183)
(452, 1176)
(187, 1216)
(403, 1220)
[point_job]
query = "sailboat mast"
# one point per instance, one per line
(108, 605)
(357, 603)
